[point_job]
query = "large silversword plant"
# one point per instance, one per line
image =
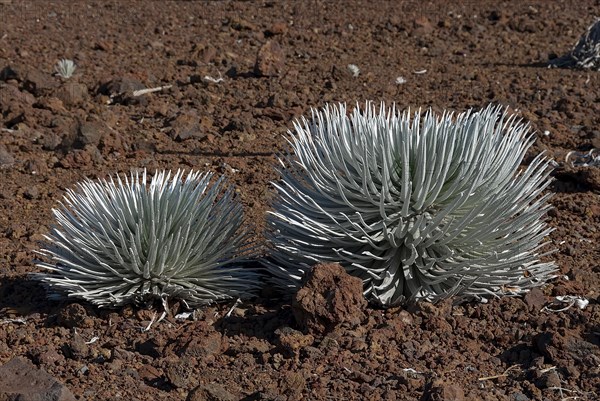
(130, 240)
(418, 207)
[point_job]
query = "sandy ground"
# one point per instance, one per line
(238, 73)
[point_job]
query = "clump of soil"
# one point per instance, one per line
(328, 298)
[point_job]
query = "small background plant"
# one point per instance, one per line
(420, 206)
(128, 240)
(585, 54)
(65, 68)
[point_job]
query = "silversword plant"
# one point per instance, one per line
(418, 207)
(65, 68)
(586, 53)
(130, 240)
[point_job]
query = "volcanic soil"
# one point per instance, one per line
(231, 77)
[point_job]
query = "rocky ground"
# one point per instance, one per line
(234, 75)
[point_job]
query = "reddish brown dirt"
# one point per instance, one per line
(55, 132)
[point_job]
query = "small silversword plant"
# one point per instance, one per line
(65, 68)
(129, 241)
(419, 207)
(586, 53)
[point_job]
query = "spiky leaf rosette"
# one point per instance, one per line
(420, 207)
(128, 240)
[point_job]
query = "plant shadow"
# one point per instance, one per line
(575, 180)
(258, 318)
(21, 296)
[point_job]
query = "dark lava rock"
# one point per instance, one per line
(6, 159)
(51, 141)
(48, 356)
(38, 82)
(519, 397)
(328, 297)
(77, 348)
(120, 90)
(561, 350)
(151, 348)
(15, 105)
(422, 26)
(31, 192)
(72, 93)
(269, 60)
(210, 392)
(548, 380)
(90, 133)
(535, 300)
(184, 126)
(21, 380)
(277, 28)
(73, 315)
(79, 134)
(8, 72)
(341, 73)
(180, 372)
(444, 391)
(292, 341)
(202, 343)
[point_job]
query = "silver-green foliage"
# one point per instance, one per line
(129, 240)
(65, 68)
(418, 208)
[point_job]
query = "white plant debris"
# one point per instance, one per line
(145, 91)
(566, 302)
(583, 159)
(208, 78)
(353, 68)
